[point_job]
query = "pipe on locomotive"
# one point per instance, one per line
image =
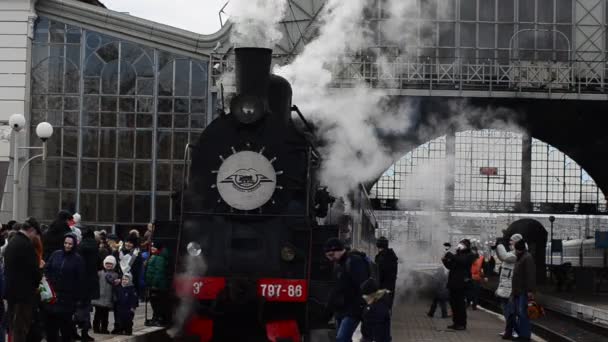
(252, 75)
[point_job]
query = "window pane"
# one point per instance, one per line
(446, 34)
(106, 175)
(428, 9)
(180, 139)
(125, 176)
(163, 177)
(564, 11)
(124, 208)
(70, 142)
(468, 9)
(178, 176)
(182, 77)
(526, 11)
(142, 208)
(106, 208)
(199, 77)
(68, 200)
(68, 178)
(107, 144)
(163, 150)
(89, 175)
(88, 206)
(486, 10)
(144, 145)
(163, 207)
(505, 32)
(467, 35)
(143, 180)
(486, 35)
(545, 11)
(89, 142)
(506, 10)
(126, 143)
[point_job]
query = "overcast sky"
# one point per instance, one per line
(200, 16)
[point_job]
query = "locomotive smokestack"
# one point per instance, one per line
(252, 71)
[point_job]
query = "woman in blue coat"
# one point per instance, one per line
(65, 272)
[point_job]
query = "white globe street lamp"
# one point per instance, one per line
(44, 131)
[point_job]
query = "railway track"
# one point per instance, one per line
(555, 326)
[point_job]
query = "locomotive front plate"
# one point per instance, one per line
(246, 180)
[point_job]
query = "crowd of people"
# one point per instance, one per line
(56, 277)
(364, 290)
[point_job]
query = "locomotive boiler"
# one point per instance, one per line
(249, 242)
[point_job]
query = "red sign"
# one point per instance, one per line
(199, 287)
(283, 290)
(488, 171)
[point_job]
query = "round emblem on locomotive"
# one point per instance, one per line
(246, 180)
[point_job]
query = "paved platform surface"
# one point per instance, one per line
(410, 324)
(139, 329)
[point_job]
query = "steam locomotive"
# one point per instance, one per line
(254, 219)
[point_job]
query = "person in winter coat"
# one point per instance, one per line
(126, 301)
(477, 277)
(377, 311)
(89, 252)
(129, 259)
(441, 294)
(65, 271)
(387, 263)
(76, 226)
(459, 265)
(350, 271)
(523, 288)
(503, 292)
(22, 274)
(157, 280)
(54, 237)
(108, 280)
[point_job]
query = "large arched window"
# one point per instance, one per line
(123, 113)
(487, 171)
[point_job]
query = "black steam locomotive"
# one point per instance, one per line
(250, 240)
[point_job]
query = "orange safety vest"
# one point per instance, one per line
(476, 269)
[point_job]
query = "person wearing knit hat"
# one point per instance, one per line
(387, 263)
(351, 269)
(157, 282)
(126, 301)
(108, 280)
(523, 288)
(130, 260)
(459, 265)
(505, 283)
(76, 227)
(377, 312)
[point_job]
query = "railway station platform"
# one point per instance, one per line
(411, 324)
(140, 331)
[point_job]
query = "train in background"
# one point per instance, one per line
(254, 217)
(580, 263)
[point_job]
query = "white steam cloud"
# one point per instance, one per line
(256, 22)
(349, 120)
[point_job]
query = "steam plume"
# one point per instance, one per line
(256, 22)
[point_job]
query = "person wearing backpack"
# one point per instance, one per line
(387, 263)
(351, 270)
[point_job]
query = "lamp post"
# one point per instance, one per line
(44, 131)
(551, 219)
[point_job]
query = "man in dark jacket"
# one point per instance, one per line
(89, 252)
(459, 265)
(22, 280)
(53, 238)
(386, 260)
(524, 285)
(350, 271)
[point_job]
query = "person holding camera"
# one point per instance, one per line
(503, 292)
(459, 265)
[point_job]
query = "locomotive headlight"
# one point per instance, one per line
(288, 253)
(247, 109)
(194, 249)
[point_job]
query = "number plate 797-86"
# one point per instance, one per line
(283, 290)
